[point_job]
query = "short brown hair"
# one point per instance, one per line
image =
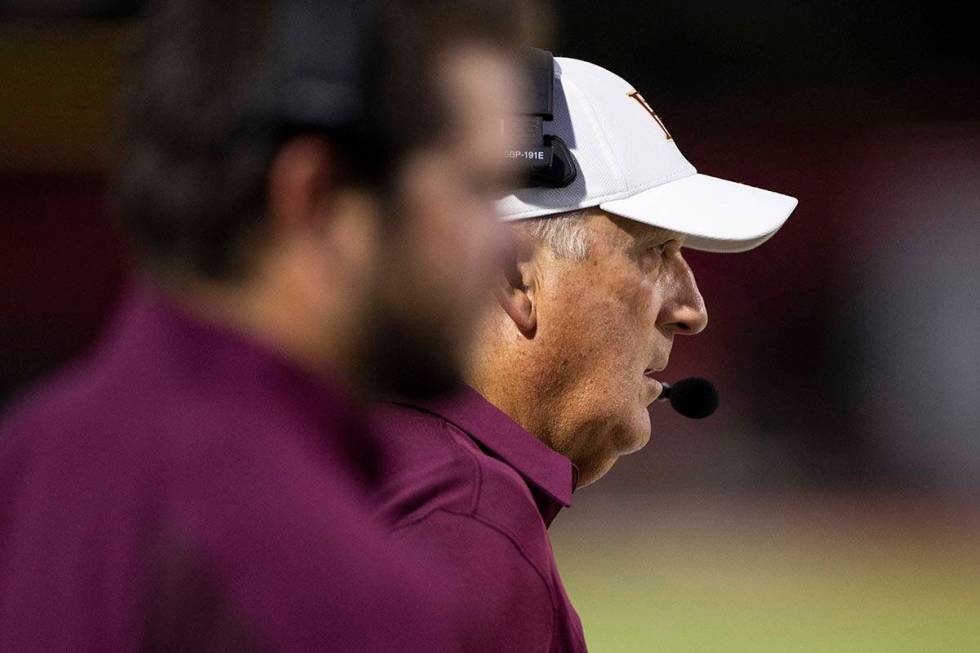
(192, 183)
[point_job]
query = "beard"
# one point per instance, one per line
(410, 351)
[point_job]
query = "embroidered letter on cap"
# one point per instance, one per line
(639, 98)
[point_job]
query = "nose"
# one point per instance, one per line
(684, 311)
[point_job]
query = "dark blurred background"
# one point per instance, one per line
(836, 490)
(846, 347)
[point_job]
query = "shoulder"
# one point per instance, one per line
(493, 579)
(448, 496)
(432, 464)
(81, 411)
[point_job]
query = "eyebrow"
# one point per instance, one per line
(657, 234)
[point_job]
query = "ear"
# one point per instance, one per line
(300, 179)
(307, 204)
(515, 292)
(326, 232)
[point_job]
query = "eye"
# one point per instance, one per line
(656, 253)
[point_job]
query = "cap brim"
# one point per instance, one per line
(716, 215)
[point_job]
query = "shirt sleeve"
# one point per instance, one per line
(505, 599)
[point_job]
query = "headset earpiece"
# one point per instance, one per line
(545, 157)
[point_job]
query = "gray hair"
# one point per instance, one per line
(563, 233)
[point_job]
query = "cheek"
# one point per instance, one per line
(596, 334)
(632, 315)
(433, 239)
(441, 226)
(643, 302)
(447, 277)
(459, 234)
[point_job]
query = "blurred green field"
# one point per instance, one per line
(800, 574)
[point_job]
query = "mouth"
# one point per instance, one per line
(654, 385)
(651, 371)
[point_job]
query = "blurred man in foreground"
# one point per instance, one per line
(303, 183)
(564, 370)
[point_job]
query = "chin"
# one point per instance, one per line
(623, 428)
(589, 474)
(636, 432)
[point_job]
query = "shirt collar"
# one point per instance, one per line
(550, 476)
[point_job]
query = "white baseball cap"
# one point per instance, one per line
(629, 165)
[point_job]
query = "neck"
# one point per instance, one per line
(519, 378)
(505, 369)
(274, 315)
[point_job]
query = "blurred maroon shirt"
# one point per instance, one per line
(186, 489)
(475, 492)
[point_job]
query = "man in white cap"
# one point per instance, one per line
(563, 373)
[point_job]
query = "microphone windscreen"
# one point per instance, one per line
(694, 397)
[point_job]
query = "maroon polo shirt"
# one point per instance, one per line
(187, 489)
(475, 493)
